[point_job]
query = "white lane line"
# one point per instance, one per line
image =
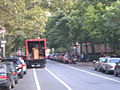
(68, 87)
(36, 80)
(91, 73)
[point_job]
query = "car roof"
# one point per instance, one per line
(14, 60)
(113, 58)
(2, 65)
(8, 63)
(10, 59)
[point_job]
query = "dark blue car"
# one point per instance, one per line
(6, 78)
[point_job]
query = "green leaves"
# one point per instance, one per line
(95, 21)
(62, 22)
(23, 18)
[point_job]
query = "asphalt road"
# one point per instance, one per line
(57, 76)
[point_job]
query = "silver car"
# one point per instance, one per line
(98, 64)
(109, 64)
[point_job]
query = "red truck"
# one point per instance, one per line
(35, 52)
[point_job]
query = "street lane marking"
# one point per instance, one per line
(36, 80)
(68, 87)
(91, 73)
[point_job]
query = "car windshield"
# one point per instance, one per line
(22, 61)
(2, 69)
(16, 61)
(102, 59)
(114, 60)
(11, 66)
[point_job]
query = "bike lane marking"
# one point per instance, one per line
(62, 82)
(36, 80)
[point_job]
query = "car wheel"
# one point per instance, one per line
(115, 73)
(107, 72)
(95, 69)
(25, 72)
(102, 70)
(13, 84)
(8, 87)
(21, 76)
(98, 69)
(16, 81)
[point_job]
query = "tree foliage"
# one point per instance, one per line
(62, 22)
(22, 19)
(95, 21)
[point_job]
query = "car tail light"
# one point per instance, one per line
(3, 76)
(110, 66)
(14, 73)
(23, 64)
(20, 66)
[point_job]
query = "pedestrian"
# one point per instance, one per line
(82, 57)
(78, 58)
(73, 59)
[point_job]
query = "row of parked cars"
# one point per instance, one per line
(63, 57)
(11, 70)
(108, 65)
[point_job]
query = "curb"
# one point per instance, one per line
(91, 64)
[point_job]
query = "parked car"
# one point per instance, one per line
(98, 64)
(109, 64)
(18, 65)
(6, 78)
(13, 70)
(117, 69)
(73, 59)
(66, 59)
(24, 65)
(60, 57)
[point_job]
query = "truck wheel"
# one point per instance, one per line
(25, 72)
(28, 66)
(42, 65)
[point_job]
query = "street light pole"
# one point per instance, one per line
(3, 41)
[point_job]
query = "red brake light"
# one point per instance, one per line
(110, 66)
(14, 73)
(24, 65)
(3, 76)
(20, 66)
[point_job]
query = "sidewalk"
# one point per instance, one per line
(91, 64)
